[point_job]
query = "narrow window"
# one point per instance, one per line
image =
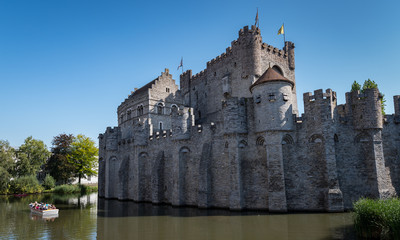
(174, 109)
(161, 125)
(160, 108)
(167, 90)
(258, 99)
(272, 97)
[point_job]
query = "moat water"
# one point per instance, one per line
(87, 217)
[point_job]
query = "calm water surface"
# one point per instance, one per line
(86, 217)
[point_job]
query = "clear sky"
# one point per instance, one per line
(66, 65)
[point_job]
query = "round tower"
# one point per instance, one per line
(273, 102)
(249, 43)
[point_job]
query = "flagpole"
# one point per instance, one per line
(284, 34)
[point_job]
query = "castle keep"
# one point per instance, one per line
(231, 137)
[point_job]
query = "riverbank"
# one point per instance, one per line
(60, 189)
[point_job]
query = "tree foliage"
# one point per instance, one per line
(58, 164)
(30, 157)
(369, 84)
(355, 86)
(48, 182)
(83, 156)
(7, 162)
(26, 184)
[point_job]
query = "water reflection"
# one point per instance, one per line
(85, 217)
(129, 220)
(37, 217)
(76, 220)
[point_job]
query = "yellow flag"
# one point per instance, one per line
(281, 30)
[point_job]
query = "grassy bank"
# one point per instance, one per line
(375, 218)
(67, 188)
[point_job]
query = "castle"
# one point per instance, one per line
(232, 137)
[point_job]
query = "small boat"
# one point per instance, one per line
(48, 212)
(21, 195)
(43, 209)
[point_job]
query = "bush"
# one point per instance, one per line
(25, 184)
(48, 182)
(67, 188)
(88, 189)
(373, 217)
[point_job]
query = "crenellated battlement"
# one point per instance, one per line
(319, 108)
(186, 74)
(365, 109)
(199, 75)
(111, 130)
(319, 95)
(274, 50)
(221, 57)
(253, 30)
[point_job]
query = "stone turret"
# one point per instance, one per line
(273, 99)
(367, 120)
(249, 50)
(273, 110)
(320, 119)
(365, 109)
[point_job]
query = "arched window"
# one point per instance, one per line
(242, 144)
(161, 126)
(174, 109)
(160, 108)
(287, 139)
(260, 141)
(316, 138)
(278, 69)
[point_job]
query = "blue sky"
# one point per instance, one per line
(65, 66)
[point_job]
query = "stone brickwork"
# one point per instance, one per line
(231, 137)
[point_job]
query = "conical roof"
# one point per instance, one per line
(269, 76)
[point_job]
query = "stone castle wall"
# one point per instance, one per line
(222, 145)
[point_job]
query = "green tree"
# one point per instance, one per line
(355, 86)
(48, 182)
(58, 164)
(83, 156)
(30, 157)
(368, 84)
(7, 162)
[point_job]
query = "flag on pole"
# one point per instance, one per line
(281, 30)
(256, 18)
(181, 64)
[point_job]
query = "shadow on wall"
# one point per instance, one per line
(116, 208)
